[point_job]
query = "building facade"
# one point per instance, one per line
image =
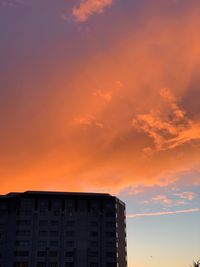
(55, 229)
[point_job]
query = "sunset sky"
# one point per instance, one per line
(104, 96)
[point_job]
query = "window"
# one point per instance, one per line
(3, 209)
(70, 233)
(54, 223)
(111, 254)
(54, 243)
(94, 244)
(20, 264)
(26, 203)
(23, 233)
(69, 254)
(42, 243)
(23, 222)
(22, 243)
(69, 264)
(110, 234)
(43, 223)
(56, 205)
(53, 253)
(111, 244)
(94, 223)
(70, 244)
(70, 223)
(42, 211)
(95, 208)
(43, 206)
(110, 214)
(24, 212)
(41, 253)
(21, 253)
(94, 233)
(54, 233)
(56, 212)
(41, 264)
(110, 224)
(70, 210)
(93, 254)
(52, 264)
(42, 233)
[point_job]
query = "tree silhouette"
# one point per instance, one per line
(196, 264)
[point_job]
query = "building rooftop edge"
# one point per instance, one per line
(54, 193)
(61, 194)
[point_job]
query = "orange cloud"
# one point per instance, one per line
(107, 96)
(168, 125)
(88, 120)
(90, 7)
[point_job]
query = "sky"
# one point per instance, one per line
(103, 96)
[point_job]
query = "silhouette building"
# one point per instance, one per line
(58, 229)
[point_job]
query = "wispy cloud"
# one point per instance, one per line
(90, 7)
(107, 96)
(186, 195)
(162, 199)
(151, 214)
(88, 121)
(135, 190)
(168, 125)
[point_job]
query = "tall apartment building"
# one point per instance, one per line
(55, 229)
